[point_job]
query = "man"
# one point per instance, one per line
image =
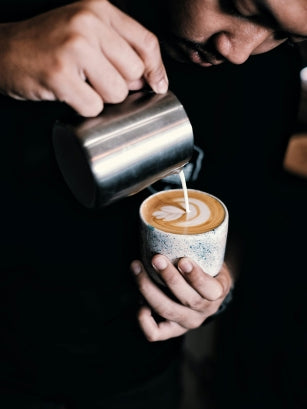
(70, 335)
(205, 32)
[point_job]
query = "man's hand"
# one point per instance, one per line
(84, 54)
(197, 296)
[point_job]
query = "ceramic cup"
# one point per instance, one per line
(166, 228)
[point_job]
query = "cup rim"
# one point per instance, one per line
(225, 219)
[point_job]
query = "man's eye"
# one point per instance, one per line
(235, 12)
(229, 7)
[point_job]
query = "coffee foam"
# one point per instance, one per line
(166, 211)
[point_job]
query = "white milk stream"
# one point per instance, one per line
(185, 191)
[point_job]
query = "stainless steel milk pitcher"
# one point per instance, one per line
(126, 148)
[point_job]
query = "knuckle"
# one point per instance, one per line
(195, 322)
(91, 111)
(44, 94)
(196, 304)
(217, 292)
(61, 61)
(172, 279)
(150, 41)
(136, 71)
(181, 318)
(152, 336)
(62, 96)
(168, 313)
(54, 72)
(81, 18)
(74, 43)
(118, 94)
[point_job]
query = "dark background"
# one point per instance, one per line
(254, 354)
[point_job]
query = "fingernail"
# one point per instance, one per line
(185, 266)
(160, 263)
(136, 268)
(161, 87)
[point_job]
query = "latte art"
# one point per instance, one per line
(166, 211)
(199, 213)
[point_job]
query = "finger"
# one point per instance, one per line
(75, 92)
(104, 77)
(33, 91)
(120, 53)
(161, 303)
(225, 278)
(158, 331)
(207, 286)
(147, 46)
(136, 85)
(175, 281)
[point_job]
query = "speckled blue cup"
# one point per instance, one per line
(206, 249)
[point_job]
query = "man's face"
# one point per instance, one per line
(208, 32)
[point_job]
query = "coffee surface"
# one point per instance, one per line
(166, 211)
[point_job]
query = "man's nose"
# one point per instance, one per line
(236, 46)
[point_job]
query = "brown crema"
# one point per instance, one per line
(165, 211)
